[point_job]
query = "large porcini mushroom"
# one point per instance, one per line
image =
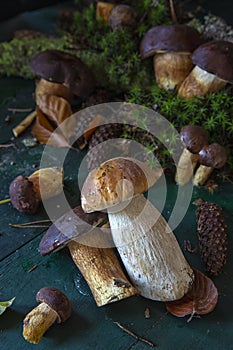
(171, 46)
(26, 193)
(147, 246)
(54, 306)
(98, 264)
(213, 69)
(193, 137)
(211, 157)
(61, 74)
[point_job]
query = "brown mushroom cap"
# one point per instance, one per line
(193, 137)
(106, 186)
(213, 156)
(57, 300)
(177, 37)
(22, 194)
(64, 68)
(122, 16)
(215, 57)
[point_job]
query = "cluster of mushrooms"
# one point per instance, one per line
(196, 151)
(184, 62)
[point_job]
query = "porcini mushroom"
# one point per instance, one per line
(147, 246)
(98, 264)
(211, 157)
(26, 193)
(171, 46)
(193, 137)
(213, 69)
(54, 306)
(61, 74)
(122, 16)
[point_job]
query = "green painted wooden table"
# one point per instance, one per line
(91, 327)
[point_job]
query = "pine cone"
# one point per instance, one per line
(212, 237)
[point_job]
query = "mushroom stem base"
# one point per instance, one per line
(202, 174)
(199, 83)
(150, 252)
(185, 167)
(102, 270)
(37, 322)
(171, 69)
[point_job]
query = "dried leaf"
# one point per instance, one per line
(5, 304)
(45, 134)
(201, 299)
(56, 108)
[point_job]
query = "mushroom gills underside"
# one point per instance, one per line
(199, 82)
(150, 252)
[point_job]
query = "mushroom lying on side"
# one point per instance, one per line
(193, 137)
(213, 69)
(61, 74)
(147, 246)
(211, 157)
(26, 193)
(54, 306)
(171, 46)
(99, 266)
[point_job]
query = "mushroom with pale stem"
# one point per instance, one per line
(54, 306)
(193, 137)
(171, 46)
(89, 249)
(61, 74)
(147, 246)
(213, 69)
(211, 157)
(26, 193)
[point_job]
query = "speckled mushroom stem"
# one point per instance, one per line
(202, 174)
(185, 167)
(102, 270)
(150, 252)
(37, 322)
(199, 82)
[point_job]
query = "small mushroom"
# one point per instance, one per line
(211, 157)
(147, 246)
(99, 266)
(26, 193)
(61, 74)
(122, 16)
(193, 137)
(54, 306)
(213, 69)
(171, 46)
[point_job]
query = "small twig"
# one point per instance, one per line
(24, 124)
(3, 201)
(7, 145)
(173, 13)
(33, 268)
(135, 335)
(23, 110)
(32, 224)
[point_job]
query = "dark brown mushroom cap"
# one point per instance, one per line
(23, 197)
(194, 137)
(213, 156)
(177, 37)
(69, 226)
(61, 67)
(57, 300)
(122, 16)
(215, 57)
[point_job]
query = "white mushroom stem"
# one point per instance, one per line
(150, 252)
(171, 68)
(202, 174)
(185, 167)
(37, 322)
(199, 82)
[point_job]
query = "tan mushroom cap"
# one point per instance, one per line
(116, 181)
